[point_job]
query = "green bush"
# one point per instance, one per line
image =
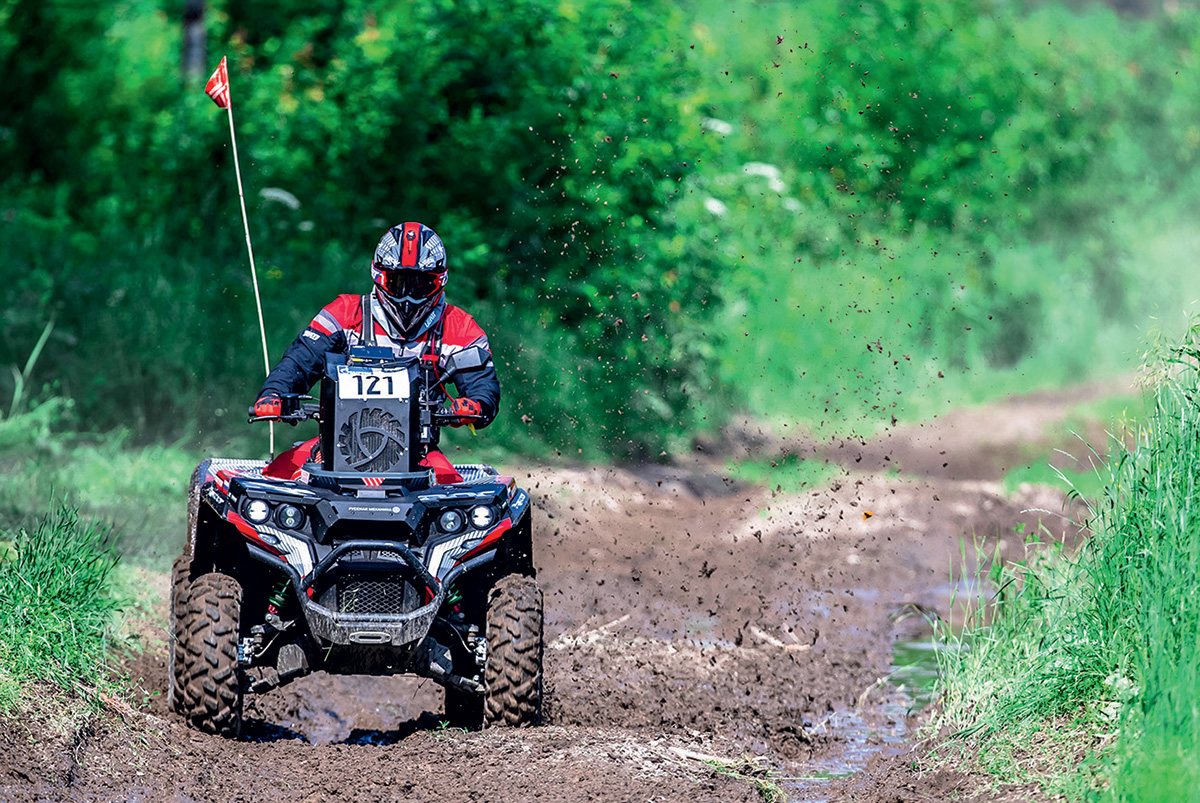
(828, 211)
(924, 203)
(544, 140)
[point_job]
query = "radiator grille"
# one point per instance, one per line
(374, 593)
(371, 440)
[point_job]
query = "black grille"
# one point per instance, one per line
(375, 593)
(372, 556)
(371, 440)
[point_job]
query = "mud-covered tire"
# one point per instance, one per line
(211, 680)
(176, 617)
(513, 675)
(514, 669)
(179, 592)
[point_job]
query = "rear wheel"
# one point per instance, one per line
(514, 667)
(210, 680)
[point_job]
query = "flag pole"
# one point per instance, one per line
(228, 98)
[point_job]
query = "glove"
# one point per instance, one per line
(267, 407)
(465, 407)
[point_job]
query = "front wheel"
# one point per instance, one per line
(177, 616)
(513, 676)
(210, 679)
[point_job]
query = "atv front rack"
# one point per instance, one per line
(389, 484)
(366, 484)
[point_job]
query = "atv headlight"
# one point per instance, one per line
(290, 517)
(451, 521)
(257, 511)
(482, 517)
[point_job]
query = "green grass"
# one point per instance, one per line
(1088, 484)
(753, 772)
(1108, 640)
(141, 491)
(1121, 413)
(1078, 467)
(56, 604)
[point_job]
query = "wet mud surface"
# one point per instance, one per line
(691, 620)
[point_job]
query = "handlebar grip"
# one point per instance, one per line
(302, 413)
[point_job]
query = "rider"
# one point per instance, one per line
(408, 313)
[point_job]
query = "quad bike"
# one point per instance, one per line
(361, 564)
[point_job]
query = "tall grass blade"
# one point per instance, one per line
(21, 378)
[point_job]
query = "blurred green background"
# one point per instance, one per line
(824, 214)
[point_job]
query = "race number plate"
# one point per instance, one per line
(375, 383)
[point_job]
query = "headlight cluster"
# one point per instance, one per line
(287, 516)
(482, 517)
(453, 521)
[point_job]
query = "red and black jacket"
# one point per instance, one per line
(339, 326)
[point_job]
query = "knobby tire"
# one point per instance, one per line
(211, 680)
(514, 668)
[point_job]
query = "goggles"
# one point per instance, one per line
(409, 283)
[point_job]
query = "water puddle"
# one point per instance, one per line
(915, 669)
(879, 725)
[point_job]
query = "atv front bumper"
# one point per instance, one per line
(340, 627)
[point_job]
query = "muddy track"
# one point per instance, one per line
(687, 618)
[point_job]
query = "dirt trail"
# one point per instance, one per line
(687, 618)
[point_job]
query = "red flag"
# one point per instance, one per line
(217, 87)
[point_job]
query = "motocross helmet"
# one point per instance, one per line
(409, 271)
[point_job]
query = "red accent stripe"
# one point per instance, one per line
(488, 540)
(410, 245)
(245, 529)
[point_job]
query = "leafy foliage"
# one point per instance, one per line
(826, 211)
(919, 200)
(543, 140)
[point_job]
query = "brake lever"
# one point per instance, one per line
(440, 418)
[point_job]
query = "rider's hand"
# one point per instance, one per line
(267, 407)
(465, 407)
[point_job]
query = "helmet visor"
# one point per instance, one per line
(407, 283)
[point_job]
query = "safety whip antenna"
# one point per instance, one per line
(218, 89)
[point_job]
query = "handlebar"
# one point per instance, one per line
(292, 411)
(312, 412)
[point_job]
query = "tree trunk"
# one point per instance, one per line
(194, 41)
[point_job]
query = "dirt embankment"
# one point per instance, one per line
(688, 618)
